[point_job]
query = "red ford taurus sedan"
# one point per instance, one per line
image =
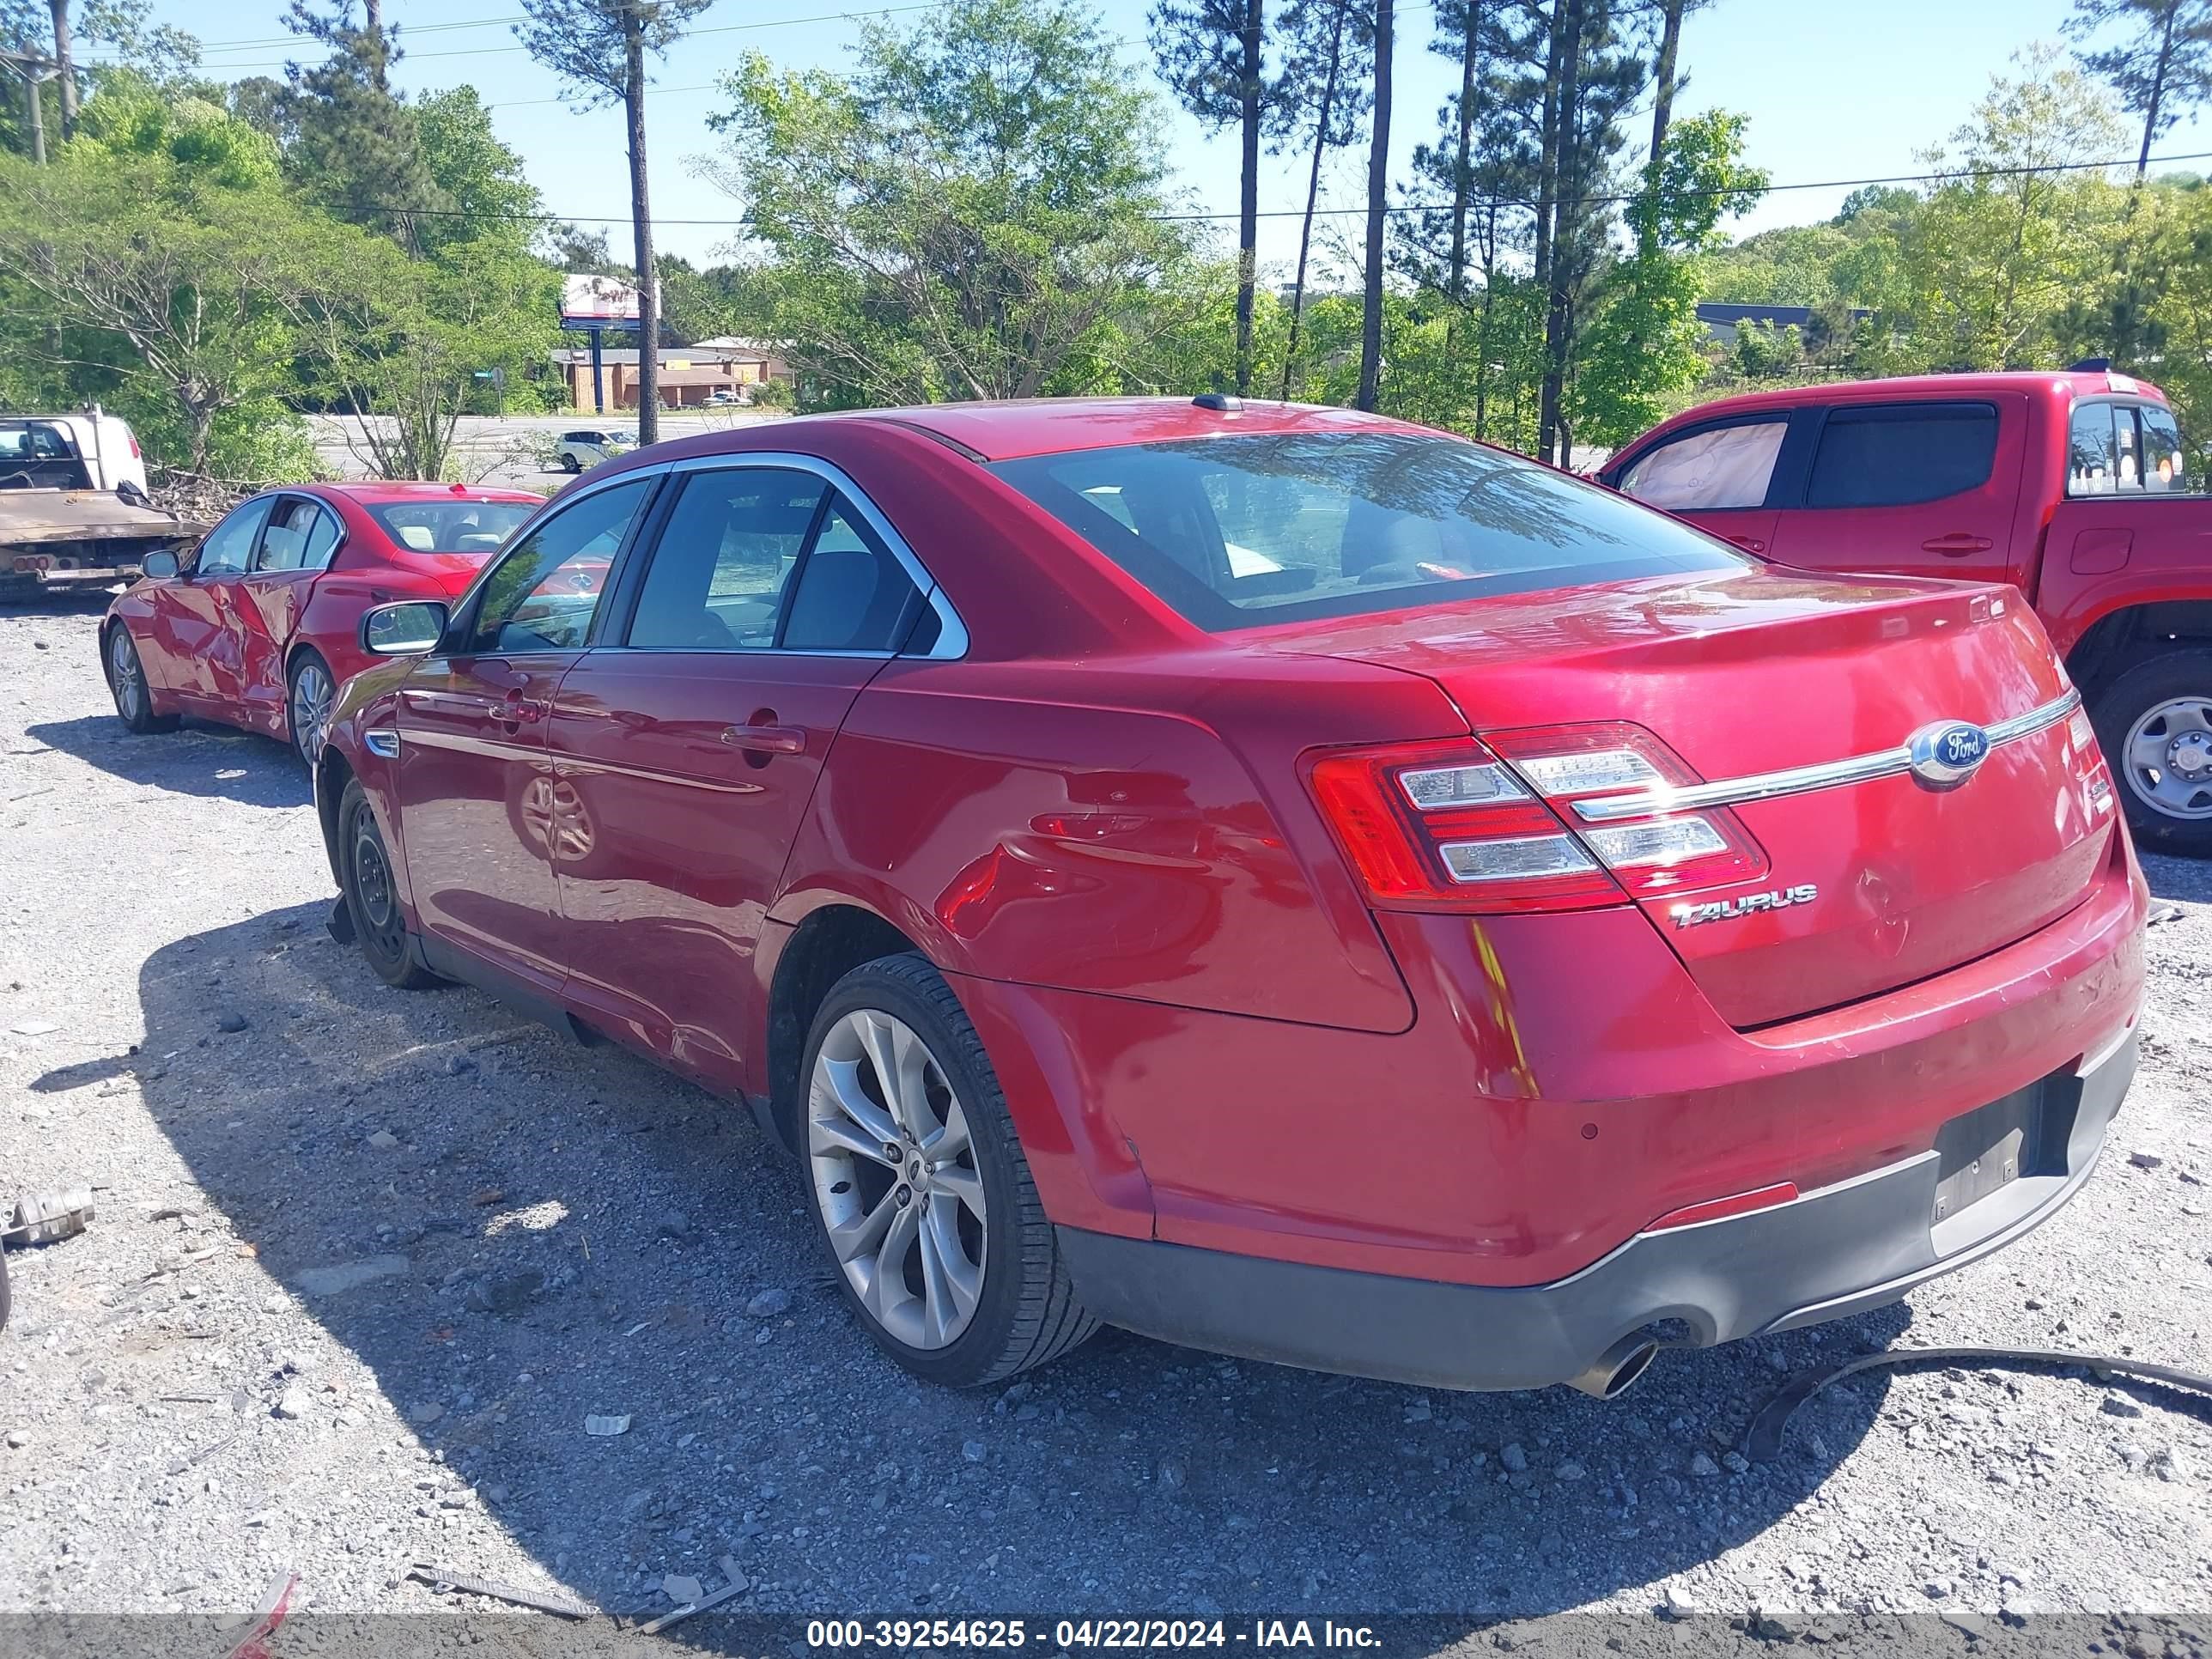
(262, 623)
(1273, 878)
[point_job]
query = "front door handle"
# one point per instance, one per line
(519, 711)
(766, 739)
(1957, 545)
(1748, 543)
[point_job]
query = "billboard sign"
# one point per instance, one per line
(604, 301)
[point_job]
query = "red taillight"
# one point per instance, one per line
(1715, 1209)
(1444, 826)
(135, 454)
(1490, 826)
(1656, 852)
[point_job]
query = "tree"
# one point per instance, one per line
(2162, 69)
(600, 48)
(1212, 55)
(352, 145)
(1378, 193)
(2008, 242)
(1644, 345)
(974, 211)
(158, 243)
(1329, 41)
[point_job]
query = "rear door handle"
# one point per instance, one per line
(1748, 543)
(766, 739)
(1957, 545)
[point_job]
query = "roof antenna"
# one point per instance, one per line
(1219, 402)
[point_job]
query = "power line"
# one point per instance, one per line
(1323, 213)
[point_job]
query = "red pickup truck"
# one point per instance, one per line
(2072, 486)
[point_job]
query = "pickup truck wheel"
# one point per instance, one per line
(371, 897)
(126, 683)
(917, 1181)
(2156, 725)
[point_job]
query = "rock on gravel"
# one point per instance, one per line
(769, 1302)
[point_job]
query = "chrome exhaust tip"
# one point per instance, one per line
(1615, 1371)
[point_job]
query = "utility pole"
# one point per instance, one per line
(34, 70)
(63, 68)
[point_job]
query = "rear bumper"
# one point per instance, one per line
(1839, 1250)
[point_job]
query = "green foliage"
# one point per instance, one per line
(968, 214)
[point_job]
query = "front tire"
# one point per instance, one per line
(2155, 723)
(570, 463)
(126, 683)
(918, 1186)
(308, 693)
(372, 897)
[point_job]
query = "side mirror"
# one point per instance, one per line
(406, 629)
(158, 567)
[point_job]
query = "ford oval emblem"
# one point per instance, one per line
(1946, 753)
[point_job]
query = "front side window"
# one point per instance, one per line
(543, 594)
(230, 544)
(1236, 531)
(1901, 454)
(722, 562)
(1722, 466)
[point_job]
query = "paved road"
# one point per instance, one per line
(363, 1269)
(512, 450)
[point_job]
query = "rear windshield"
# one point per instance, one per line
(1236, 531)
(449, 526)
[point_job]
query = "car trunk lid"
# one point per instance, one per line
(1868, 882)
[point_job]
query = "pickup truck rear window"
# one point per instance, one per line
(1238, 532)
(1901, 454)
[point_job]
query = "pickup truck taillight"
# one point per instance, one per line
(1483, 826)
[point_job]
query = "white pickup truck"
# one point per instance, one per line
(74, 511)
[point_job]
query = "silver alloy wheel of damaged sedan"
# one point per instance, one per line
(127, 678)
(310, 711)
(895, 1178)
(2168, 757)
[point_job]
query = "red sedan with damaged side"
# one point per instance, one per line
(1277, 880)
(259, 625)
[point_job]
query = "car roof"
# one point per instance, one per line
(2067, 384)
(382, 493)
(1051, 425)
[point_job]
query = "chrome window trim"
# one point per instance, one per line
(952, 632)
(1804, 780)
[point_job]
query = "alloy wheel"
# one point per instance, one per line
(2168, 757)
(311, 709)
(896, 1178)
(125, 674)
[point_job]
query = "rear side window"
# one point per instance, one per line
(1897, 454)
(1721, 466)
(1236, 531)
(299, 537)
(721, 565)
(853, 595)
(2163, 472)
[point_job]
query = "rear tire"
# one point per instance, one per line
(126, 683)
(969, 1299)
(2155, 724)
(309, 690)
(371, 897)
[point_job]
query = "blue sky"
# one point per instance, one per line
(1832, 91)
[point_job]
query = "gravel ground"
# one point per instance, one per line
(365, 1263)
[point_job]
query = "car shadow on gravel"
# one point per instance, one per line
(2189, 880)
(516, 1235)
(193, 760)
